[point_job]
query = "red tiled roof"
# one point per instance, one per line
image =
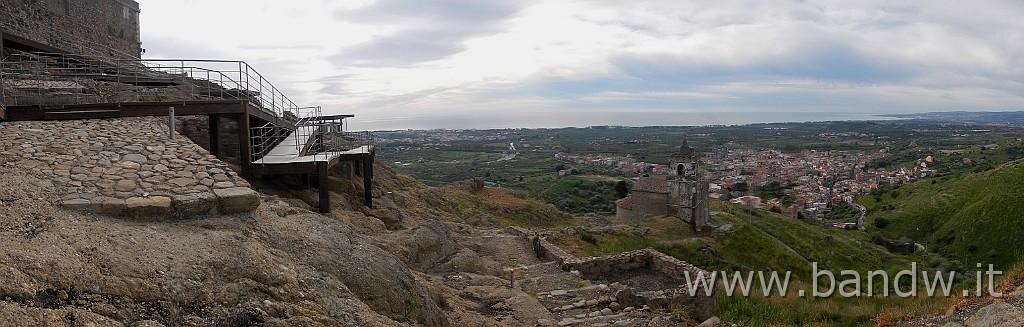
(651, 185)
(625, 203)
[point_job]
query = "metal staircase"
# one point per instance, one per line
(311, 137)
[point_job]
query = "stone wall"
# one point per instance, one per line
(650, 204)
(124, 167)
(701, 306)
(197, 129)
(105, 28)
(626, 214)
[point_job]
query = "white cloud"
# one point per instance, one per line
(466, 56)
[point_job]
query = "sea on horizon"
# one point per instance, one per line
(597, 118)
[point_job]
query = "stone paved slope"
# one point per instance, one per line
(123, 167)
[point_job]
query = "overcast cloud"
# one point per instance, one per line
(479, 58)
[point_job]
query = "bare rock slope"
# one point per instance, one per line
(421, 256)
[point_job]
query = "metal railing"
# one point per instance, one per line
(47, 78)
(3, 87)
(313, 138)
(223, 79)
(60, 79)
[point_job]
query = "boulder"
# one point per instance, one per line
(77, 204)
(191, 206)
(236, 199)
(148, 206)
(108, 206)
(711, 322)
(999, 314)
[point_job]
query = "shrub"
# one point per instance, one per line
(587, 237)
(881, 223)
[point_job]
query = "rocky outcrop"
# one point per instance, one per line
(277, 266)
(1000, 314)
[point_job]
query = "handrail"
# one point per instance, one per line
(73, 79)
(3, 88)
(311, 137)
(195, 78)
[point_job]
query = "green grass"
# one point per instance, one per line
(496, 207)
(575, 193)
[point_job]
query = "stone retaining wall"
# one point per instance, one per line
(701, 306)
(124, 167)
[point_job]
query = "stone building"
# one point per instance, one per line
(97, 28)
(688, 190)
(649, 198)
(683, 192)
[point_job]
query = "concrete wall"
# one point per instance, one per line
(104, 28)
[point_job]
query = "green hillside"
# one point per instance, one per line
(974, 218)
(578, 194)
(749, 239)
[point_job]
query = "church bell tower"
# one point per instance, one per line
(688, 190)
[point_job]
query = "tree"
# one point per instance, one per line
(621, 189)
(741, 187)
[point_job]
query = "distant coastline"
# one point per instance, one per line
(975, 117)
(599, 118)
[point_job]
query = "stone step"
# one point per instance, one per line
(539, 270)
(605, 317)
(587, 303)
(546, 283)
(600, 292)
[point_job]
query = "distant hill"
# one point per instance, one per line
(975, 218)
(980, 117)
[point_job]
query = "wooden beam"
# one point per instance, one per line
(244, 145)
(283, 168)
(24, 113)
(214, 130)
(116, 110)
(325, 195)
(81, 114)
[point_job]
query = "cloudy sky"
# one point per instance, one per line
(420, 63)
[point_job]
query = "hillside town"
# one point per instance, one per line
(809, 179)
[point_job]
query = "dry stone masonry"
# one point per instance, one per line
(125, 167)
(649, 261)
